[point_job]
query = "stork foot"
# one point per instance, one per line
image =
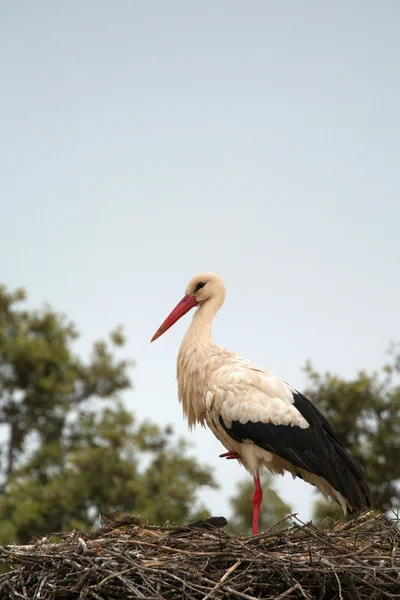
(230, 455)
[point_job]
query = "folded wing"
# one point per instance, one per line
(310, 445)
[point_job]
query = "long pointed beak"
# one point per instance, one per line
(187, 303)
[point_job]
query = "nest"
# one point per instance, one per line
(127, 559)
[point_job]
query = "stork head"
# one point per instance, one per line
(202, 289)
(205, 286)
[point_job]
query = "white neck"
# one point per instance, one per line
(192, 360)
(200, 327)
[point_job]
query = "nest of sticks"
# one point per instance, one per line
(127, 559)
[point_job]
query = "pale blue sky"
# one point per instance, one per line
(143, 142)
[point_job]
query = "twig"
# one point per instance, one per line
(340, 587)
(289, 591)
(223, 578)
(238, 594)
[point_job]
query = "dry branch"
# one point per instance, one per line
(127, 559)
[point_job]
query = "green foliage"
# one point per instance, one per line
(326, 513)
(71, 450)
(273, 509)
(365, 413)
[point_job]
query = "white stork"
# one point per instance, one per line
(260, 419)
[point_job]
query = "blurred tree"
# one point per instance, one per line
(273, 509)
(64, 458)
(326, 513)
(365, 413)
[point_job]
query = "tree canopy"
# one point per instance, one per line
(71, 450)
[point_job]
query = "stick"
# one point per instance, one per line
(223, 578)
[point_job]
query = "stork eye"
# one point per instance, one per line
(199, 286)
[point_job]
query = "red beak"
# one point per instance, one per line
(180, 309)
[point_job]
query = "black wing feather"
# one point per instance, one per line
(316, 449)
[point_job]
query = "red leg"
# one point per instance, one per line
(229, 455)
(256, 500)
